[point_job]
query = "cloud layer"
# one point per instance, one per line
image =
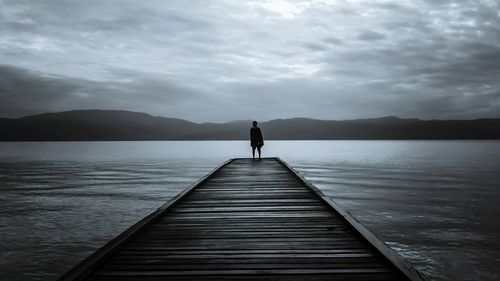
(224, 60)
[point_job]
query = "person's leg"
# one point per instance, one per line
(253, 152)
(258, 148)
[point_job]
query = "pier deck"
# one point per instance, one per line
(247, 220)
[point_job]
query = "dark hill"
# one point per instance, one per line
(126, 125)
(95, 125)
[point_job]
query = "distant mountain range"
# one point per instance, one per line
(107, 125)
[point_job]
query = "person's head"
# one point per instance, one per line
(254, 123)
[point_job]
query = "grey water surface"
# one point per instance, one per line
(436, 203)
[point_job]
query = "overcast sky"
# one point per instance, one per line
(225, 60)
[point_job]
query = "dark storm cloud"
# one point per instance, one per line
(26, 92)
(478, 66)
(332, 41)
(223, 60)
(369, 35)
(315, 47)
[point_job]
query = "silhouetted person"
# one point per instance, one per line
(256, 139)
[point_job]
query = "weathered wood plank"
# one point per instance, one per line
(247, 220)
(260, 277)
(223, 260)
(332, 271)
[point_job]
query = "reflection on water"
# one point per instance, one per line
(55, 213)
(441, 218)
(436, 203)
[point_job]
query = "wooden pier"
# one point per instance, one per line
(246, 220)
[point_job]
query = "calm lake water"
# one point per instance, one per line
(437, 203)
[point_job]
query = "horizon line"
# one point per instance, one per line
(242, 120)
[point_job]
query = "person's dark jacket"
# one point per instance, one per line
(256, 138)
